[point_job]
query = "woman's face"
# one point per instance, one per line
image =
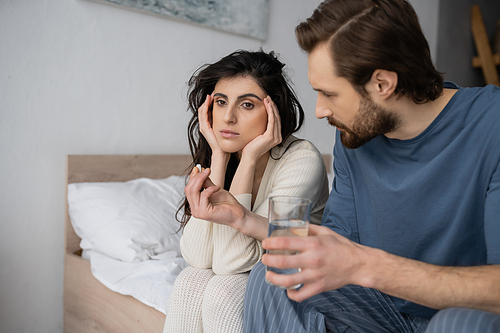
(239, 114)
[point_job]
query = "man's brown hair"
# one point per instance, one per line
(365, 35)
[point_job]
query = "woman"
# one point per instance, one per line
(246, 113)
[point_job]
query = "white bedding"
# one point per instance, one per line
(129, 234)
(149, 281)
(114, 217)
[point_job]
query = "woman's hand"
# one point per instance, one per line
(209, 202)
(219, 157)
(205, 126)
(270, 138)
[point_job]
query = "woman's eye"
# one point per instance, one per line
(247, 105)
(220, 102)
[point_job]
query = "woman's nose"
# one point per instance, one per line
(230, 114)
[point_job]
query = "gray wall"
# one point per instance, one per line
(428, 16)
(80, 77)
(455, 43)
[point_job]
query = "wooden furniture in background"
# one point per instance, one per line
(485, 59)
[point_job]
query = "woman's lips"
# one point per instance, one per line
(228, 134)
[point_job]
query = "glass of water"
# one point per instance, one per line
(288, 217)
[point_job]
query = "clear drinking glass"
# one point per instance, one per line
(288, 217)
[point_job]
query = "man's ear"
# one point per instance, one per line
(383, 83)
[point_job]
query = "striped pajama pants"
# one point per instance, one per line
(348, 309)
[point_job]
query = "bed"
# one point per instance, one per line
(90, 303)
(89, 306)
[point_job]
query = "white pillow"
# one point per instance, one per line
(131, 221)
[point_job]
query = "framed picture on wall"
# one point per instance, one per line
(242, 17)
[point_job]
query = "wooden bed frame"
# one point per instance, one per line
(89, 306)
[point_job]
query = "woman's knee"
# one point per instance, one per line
(191, 281)
(223, 289)
(222, 309)
(191, 273)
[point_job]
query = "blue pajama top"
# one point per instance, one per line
(434, 198)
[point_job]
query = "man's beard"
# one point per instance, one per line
(371, 121)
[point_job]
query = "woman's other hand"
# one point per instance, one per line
(219, 157)
(204, 117)
(270, 138)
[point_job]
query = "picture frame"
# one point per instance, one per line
(242, 17)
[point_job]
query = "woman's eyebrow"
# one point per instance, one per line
(249, 95)
(239, 97)
(221, 95)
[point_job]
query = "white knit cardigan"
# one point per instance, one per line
(299, 172)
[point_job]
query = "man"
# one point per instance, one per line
(412, 225)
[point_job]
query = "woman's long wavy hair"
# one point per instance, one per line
(268, 73)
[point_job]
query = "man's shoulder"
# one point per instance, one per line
(489, 93)
(481, 104)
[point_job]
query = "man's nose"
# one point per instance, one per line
(322, 110)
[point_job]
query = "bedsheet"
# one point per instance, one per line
(149, 281)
